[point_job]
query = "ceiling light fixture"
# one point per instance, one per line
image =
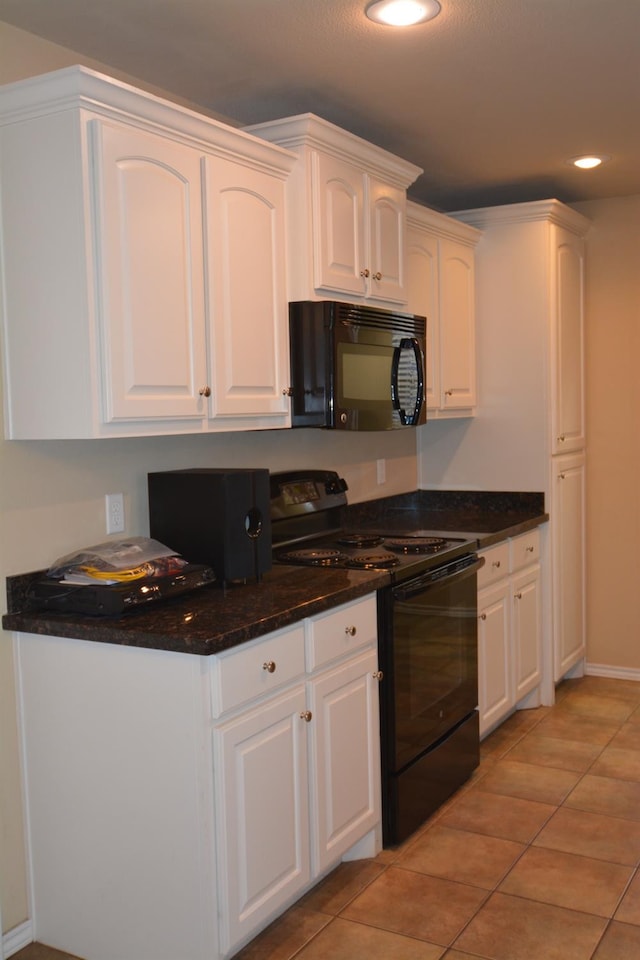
(402, 13)
(588, 163)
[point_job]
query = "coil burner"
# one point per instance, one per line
(314, 557)
(416, 544)
(360, 540)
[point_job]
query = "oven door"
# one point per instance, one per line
(429, 650)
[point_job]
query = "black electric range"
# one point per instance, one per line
(427, 639)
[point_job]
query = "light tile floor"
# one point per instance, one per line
(536, 858)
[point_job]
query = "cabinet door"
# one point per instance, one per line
(345, 758)
(495, 684)
(150, 281)
(457, 326)
(339, 239)
(567, 345)
(526, 620)
(568, 545)
(386, 262)
(423, 300)
(262, 817)
(247, 307)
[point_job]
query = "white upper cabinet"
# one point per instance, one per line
(441, 286)
(346, 211)
(246, 296)
(134, 303)
(150, 303)
(567, 333)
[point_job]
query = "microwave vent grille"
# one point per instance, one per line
(362, 316)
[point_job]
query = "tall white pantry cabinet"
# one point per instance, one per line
(530, 329)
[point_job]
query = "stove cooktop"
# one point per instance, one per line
(309, 528)
(399, 554)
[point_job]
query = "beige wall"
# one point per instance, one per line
(613, 432)
(52, 500)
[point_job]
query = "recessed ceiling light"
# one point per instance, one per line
(402, 13)
(588, 163)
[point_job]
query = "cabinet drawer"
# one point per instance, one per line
(256, 668)
(336, 633)
(496, 564)
(525, 549)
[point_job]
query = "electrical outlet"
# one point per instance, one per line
(381, 470)
(114, 505)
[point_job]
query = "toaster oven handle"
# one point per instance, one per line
(405, 344)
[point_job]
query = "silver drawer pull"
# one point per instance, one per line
(351, 631)
(269, 666)
(306, 715)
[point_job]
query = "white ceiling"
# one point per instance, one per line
(490, 98)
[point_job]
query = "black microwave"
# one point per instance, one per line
(355, 367)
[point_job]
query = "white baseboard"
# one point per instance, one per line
(616, 673)
(17, 938)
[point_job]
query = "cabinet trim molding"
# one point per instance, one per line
(308, 130)
(550, 211)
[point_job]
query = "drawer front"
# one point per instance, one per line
(525, 549)
(340, 631)
(256, 668)
(496, 564)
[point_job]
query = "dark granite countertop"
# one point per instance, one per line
(486, 517)
(210, 619)
(213, 619)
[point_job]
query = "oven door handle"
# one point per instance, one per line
(435, 578)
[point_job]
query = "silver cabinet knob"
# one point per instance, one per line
(287, 392)
(517, 596)
(483, 616)
(448, 393)
(496, 564)
(377, 275)
(378, 675)
(364, 273)
(269, 666)
(529, 550)
(306, 715)
(351, 631)
(205, 391)
(561, 438)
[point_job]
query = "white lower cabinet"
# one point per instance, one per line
(569, 561)
(262, 807)
(146, 844)
(296, 769)
(509, 627)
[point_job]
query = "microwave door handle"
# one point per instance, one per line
(405, 344)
